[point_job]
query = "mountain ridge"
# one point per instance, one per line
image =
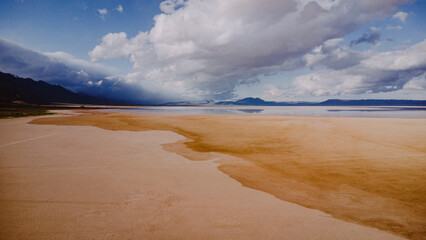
(29, 91)
(250, 101)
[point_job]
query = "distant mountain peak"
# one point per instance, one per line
(251, 100)
(245, 101)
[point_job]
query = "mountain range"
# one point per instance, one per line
(331, 102)
(26, 90)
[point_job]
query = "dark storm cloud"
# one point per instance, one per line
(74, 74)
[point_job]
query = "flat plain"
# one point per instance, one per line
(368, 171)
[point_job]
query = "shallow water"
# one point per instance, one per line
(363, 111)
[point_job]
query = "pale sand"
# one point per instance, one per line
(370, 171)
(87, 183)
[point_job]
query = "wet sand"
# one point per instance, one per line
(83, 182)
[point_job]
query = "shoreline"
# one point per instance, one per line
(244, 171)
(237, 108)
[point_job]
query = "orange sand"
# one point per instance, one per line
(365, 170)
(76, 182)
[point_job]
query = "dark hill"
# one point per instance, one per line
(250, 101)
(14, 88)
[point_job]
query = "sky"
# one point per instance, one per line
(154, 51)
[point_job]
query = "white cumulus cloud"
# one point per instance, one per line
(332, 55)
(402, 16)
(207, 48)
(102, 12)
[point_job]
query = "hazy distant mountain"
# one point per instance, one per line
(331, 102)
(373, 102)
(260, 102)
(190, 103)
(246, 101)
(14, 88)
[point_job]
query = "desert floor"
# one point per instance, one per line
(131, 177)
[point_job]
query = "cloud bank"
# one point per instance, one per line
(207, 48)
(375, 72)
(75, 74)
